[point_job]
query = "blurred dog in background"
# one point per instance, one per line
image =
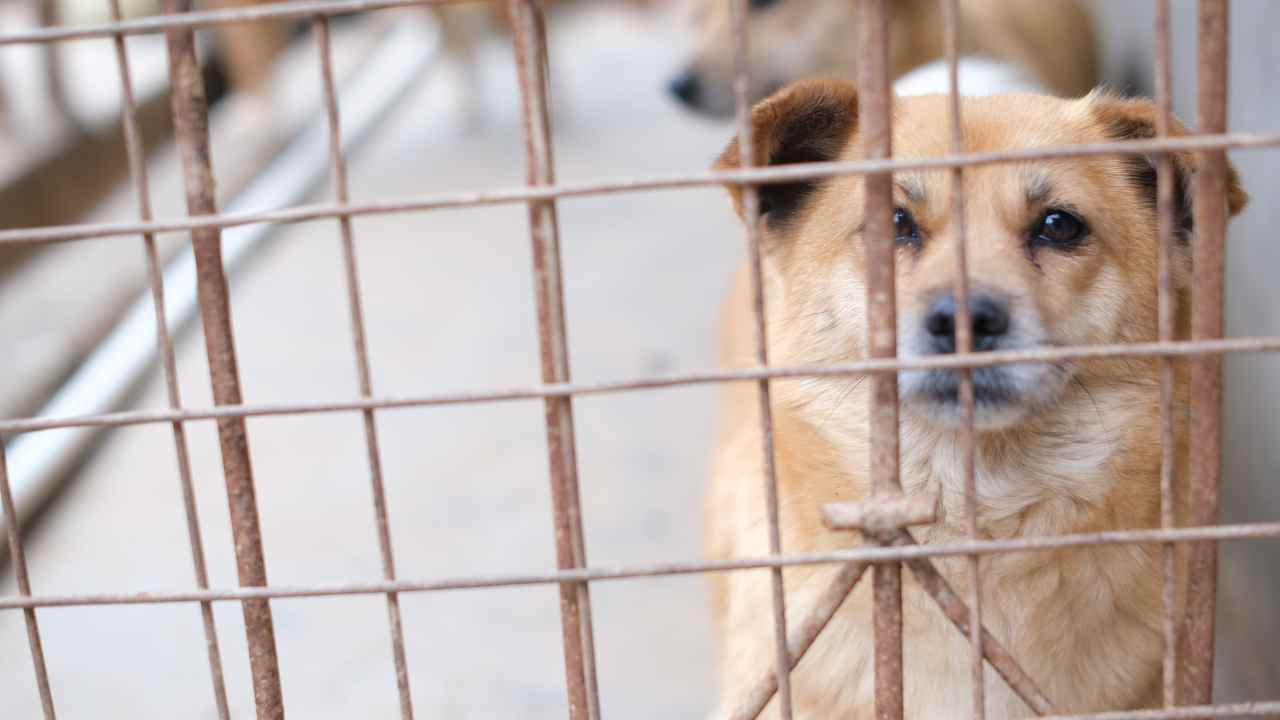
(249, 48)
(1051, 40)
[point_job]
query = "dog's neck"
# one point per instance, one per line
(1050, 474)
(1060, 468)
(977, 76)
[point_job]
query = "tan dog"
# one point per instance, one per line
(250, 48)
(794, 39)
(1060, 253)
(464, 26)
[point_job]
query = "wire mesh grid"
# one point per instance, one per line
(1188, 640)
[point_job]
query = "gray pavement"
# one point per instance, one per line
(449, 305)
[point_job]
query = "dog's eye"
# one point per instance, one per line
(1060, 229)
(905, 229)
(762, 4)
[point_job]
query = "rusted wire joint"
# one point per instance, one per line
(880, 518)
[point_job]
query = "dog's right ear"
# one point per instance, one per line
(806, 121)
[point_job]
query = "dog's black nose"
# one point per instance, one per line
(687, 87)
(990, 319)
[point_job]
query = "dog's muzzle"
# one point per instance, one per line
(1003, 393)
(988, 320)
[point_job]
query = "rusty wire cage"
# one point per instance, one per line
(1188, 640)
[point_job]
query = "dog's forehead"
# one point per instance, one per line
(922, 129)
(922, 125)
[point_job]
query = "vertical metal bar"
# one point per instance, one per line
(875, 107)
(19, 557)
(138, 171)
(1210, 210)
(191, 128)
(338, 180)
(1167, 314)
(575, 599)
(964, 344)
(751, 215)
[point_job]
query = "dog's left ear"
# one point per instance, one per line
(806, 121)
(1136, 120)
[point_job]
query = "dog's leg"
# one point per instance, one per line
(558, 102)
(249, 49)
(557, 87)
(460, 47)
(5, 117)
(57, 88)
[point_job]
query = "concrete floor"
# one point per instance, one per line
(448, 303)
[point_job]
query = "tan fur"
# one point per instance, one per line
(250, 48)
(793, 39)
(462, 35)
(1085, 623)
(453, 19)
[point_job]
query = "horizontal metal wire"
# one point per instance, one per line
(1270, 708)
(861, 554)
(521, 194)
(208, 18)
(533, 392)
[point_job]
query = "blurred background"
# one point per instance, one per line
(448, 306)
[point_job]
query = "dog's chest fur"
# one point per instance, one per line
(1076, 620)
(1066, 458)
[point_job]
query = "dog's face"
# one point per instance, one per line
(1060, 252)
(789, 39)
